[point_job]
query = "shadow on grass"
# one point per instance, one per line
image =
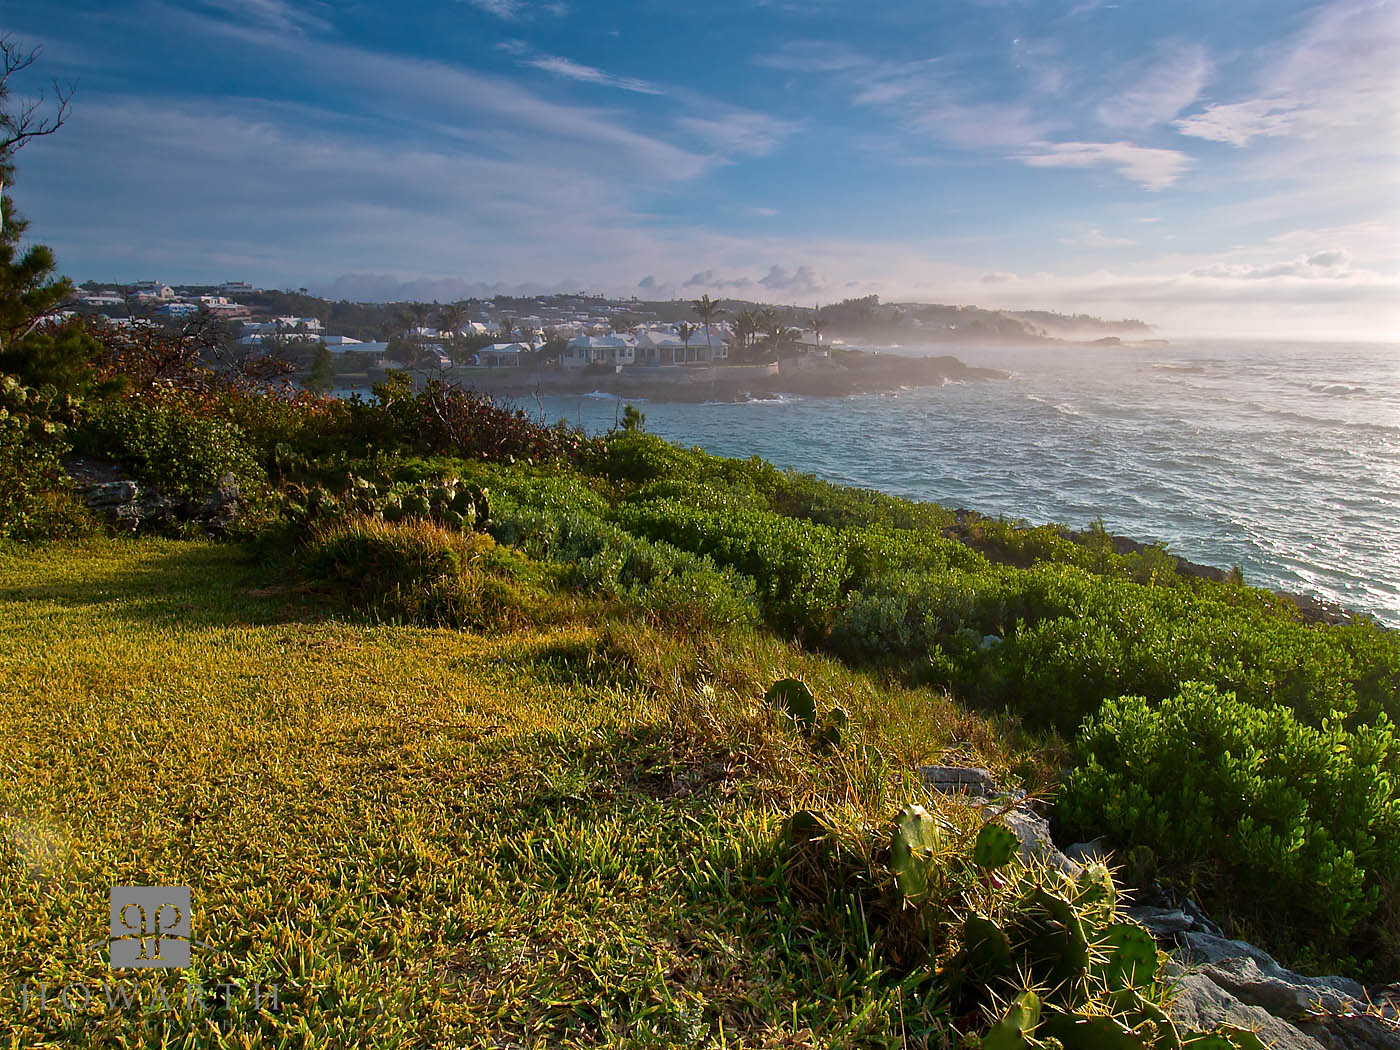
(190, 584)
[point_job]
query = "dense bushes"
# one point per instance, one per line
(799, 567)
(419, 572)
(35, 502)
(557, 520)
(172, 445)
(1294, 826)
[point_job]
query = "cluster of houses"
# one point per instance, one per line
(589, 324)
(656, 345)
(164, 301)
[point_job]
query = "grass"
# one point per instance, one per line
(429, 837)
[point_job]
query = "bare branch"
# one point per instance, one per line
(27, 121)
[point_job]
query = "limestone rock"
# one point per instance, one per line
(1202, 1005)
(960, 780)
(1162, 922)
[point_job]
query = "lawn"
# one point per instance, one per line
(419, 837)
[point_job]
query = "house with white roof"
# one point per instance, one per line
(502, 355)
(607, 350)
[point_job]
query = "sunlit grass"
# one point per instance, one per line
(426, 837)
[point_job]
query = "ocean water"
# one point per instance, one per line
(1283, 459)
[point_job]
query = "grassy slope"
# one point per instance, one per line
(425, 837)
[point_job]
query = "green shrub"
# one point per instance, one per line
(35, 497)
(171, 446)
(635, 456)
(419, 572)
(799, 567)
(1297, 827)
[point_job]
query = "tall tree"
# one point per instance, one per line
(321, 377)
(450, 319)
(686, 331)
(30, 289)
(707, 310)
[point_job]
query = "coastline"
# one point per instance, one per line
(842, 373)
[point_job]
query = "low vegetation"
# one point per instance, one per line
(469, 731)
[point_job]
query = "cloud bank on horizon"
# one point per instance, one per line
(1230, 169)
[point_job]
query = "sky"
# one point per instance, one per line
(1222, 168)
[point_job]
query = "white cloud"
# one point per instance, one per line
(1238, 122)
(802, 281)
(1181, 70)
(738, 131)
(510, 10)
(279, 15)
(564, 67)
(1156, 169)
(1093, 237)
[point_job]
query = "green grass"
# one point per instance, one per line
(428, 837)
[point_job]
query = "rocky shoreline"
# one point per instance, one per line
(1216, 980)
(839, 374)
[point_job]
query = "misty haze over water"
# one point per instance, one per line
(1283, 459)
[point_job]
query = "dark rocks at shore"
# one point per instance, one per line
(810, 375)
(134, 507)
(1215, 980)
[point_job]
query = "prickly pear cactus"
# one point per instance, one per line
(988, 950)
(916, 838)
(995, 846)
(796, 699)
(1132, 956)
(1014, 1031)
(831, 729)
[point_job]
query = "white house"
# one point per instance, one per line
(501, 355)
(661, 346)
(605, 350)
(177, 309)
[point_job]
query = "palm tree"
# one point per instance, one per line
(745, 328)
(816, 324)
(686, 331)
(707, 310)
(450, 320)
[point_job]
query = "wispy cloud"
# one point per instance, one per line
(1094, 237)
(517, 10)
(1155, 169)
(1239, 122)
(1178, 74)
(564, 67)
(283, 16)
(738, 131)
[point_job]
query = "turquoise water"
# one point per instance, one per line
(1281, 459)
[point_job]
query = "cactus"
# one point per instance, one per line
(1132, 956)
(796, 700)
(831, 728)
(988, 949)
(1014, 1030)
(1095, 886)
(1077, 1032)
(996, 845)
(916, 838)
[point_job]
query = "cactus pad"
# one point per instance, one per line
(996, 845)
(796, 699)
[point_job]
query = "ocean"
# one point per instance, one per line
(1282, 459)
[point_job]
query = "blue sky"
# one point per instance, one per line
(1226, 167)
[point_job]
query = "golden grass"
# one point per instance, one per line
(423, 837)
